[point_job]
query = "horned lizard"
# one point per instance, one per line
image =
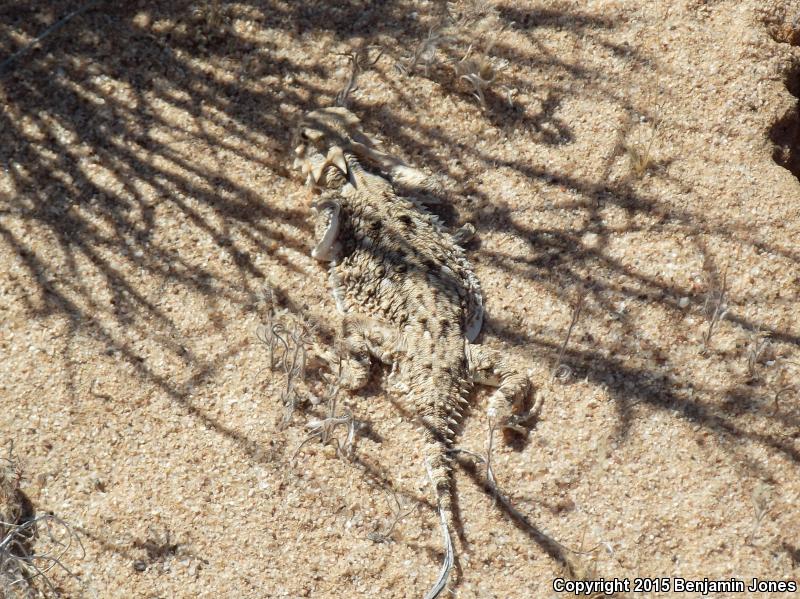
(405, 289)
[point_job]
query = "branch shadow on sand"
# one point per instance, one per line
(92, 164)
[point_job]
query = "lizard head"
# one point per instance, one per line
(327, 135)
(321, 140)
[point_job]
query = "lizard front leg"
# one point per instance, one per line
(488, 367)
(326, 227)
(360, 339)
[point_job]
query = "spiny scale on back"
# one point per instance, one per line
(399, 233)
(393, 261)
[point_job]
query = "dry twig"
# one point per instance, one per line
(21, 567)
(286, 338)
(559, 552)
(480, 72)
(398, 515)
(325, 428)
(778, 394)
(24, 571)
(560, 369)
(359, 62)
(425, 52)
(7, 63)
(759, 343)
(718, 299)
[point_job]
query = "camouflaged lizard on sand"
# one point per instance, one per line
(407, 293)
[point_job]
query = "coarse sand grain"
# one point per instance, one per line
(642, 156)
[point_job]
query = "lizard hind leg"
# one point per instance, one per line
(487, 367)
(464, 234)
(360, 340)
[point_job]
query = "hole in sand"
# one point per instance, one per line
(785, 133)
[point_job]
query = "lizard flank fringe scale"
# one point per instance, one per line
(406, 292)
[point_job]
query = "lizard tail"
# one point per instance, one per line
(439, 477)
(443, 389)
(439, 433)
(449, 558)
(447, 564)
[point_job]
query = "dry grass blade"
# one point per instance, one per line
(286, 338)
(717, 298)
(480, 73)
(760, 500)
(398, 515)
(779, 394)
(10, 476)
(325, 428)
(640, 154)
(24, 569)
(560, 369)
(759, 344)
(425, 52)
(472, 34)
(30, 567)
(359, 62)
(487, 459)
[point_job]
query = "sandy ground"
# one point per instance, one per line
(146, 200)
